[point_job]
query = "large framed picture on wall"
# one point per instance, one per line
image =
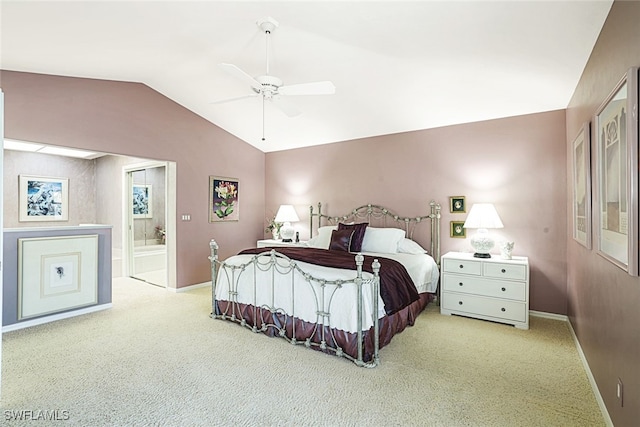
(582, 187)
(43, 198)
(616, 188)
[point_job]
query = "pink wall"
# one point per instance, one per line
(134, 120)
(517, 163)
(604, 301)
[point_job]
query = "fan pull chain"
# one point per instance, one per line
(267, 33)
(263, 138)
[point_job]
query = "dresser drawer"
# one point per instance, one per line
(462, 266)
(505, 271)
(477, 286)
(476, 305)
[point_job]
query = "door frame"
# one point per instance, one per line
(1, 218)
(170, 215)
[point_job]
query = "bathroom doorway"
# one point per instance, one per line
(147, 220)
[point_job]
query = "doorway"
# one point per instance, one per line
(147, 220)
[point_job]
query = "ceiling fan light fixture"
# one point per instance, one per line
(270, 88)
(267, 24)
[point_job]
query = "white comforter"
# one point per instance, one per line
(307, 298)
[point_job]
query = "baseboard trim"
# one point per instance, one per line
(54, 317)
(546, 315)
(191, 287)
(592, 380)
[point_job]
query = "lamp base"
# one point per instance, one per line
(482, 243)
(479, 255)
(286, 232)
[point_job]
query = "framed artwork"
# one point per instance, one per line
(142, 201)
(56, 274)
(616, 192)
(582, 187)
(456, 229)
(223, 199)
(457, 204)
(43, 199)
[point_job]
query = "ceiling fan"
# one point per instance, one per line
(270, 88)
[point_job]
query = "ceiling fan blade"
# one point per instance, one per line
(239, 74)
(315, 88)
(285, 106)
(235, 98)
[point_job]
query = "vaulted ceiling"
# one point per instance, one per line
(397, 66)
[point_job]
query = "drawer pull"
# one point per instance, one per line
(503, 270)
(460, 284)
(460, 302)
(503, 309)
(461, 266)
(504, 289)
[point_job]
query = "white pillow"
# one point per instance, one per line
(408, 246)
(323, 239)
(382, 240)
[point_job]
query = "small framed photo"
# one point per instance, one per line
(457, 205)
(456, 229)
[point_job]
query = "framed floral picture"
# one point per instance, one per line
(223, 199)
(43, 199)
(582, 187)
(616, 189)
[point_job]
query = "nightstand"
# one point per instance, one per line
(493, 289)
(278, 243)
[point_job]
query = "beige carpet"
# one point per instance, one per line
(156, 358)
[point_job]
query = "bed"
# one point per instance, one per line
(360, 280)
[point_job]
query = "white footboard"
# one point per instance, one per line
(272, 294)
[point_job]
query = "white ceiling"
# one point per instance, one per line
(397, 66)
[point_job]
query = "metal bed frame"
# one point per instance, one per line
(278, 321)
(368, 213)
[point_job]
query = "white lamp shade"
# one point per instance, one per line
(286, 213)
(483, 215)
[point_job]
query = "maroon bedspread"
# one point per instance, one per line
(396, 287)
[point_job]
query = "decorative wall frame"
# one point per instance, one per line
(616, 158)
(43, 198)
(582, 187)
(56, 274)
(224, 204)
(142, 201)
(457, 204)
(457, 230)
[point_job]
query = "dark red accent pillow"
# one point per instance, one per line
(340, 240)
(358, 234)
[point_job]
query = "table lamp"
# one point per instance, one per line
(286, 215)
(483, 216)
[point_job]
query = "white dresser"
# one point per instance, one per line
(486, 288)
